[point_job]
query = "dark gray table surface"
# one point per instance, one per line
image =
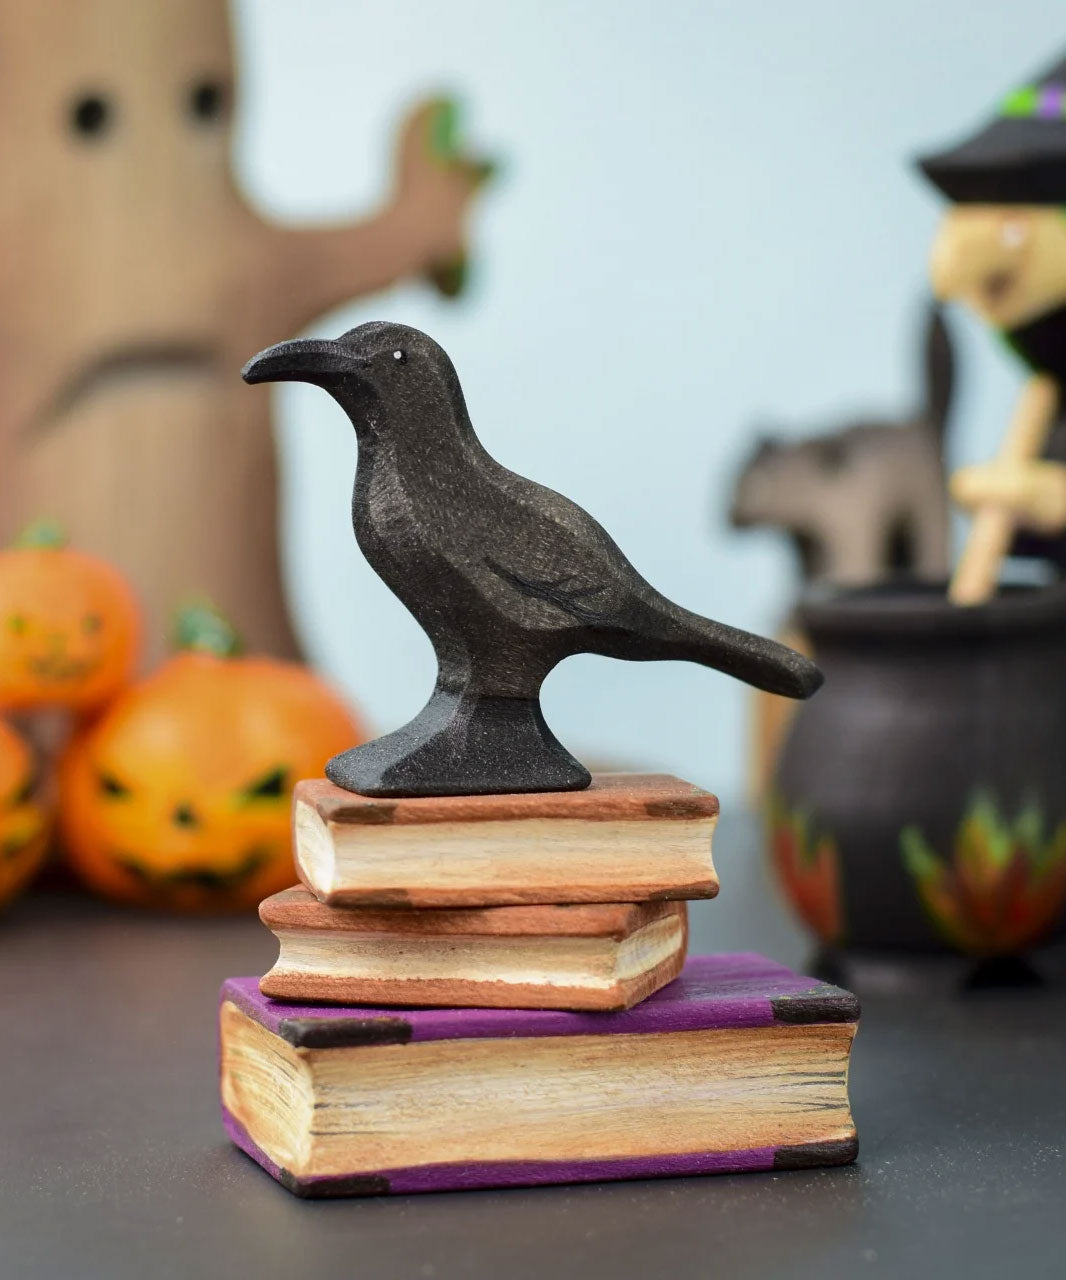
(114, 1162)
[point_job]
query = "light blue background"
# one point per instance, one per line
(707, 221)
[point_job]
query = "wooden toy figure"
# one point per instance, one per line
(134, 272)
(1001, 250)
(860, 504)
(867, 500)
(178, 795)
(70, 626)
(25, 815)
(479, 865)
(506, 577)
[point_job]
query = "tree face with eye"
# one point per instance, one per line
(24, 821)
(69, 628)
(117, 115)
(143, 279)
(179, 796)
(93, 114)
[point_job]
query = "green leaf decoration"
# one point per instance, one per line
(1021, 101)
(1050, 857)
(200, 628)
(1029, 829)
(486, 170)
(47, 534)
(1001, 885)
(918, 858)
(984, 839)
(449, 277)
(444, 129)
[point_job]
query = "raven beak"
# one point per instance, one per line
(318, 360)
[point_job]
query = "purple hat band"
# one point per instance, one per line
(1050, 101)
(1036, 101)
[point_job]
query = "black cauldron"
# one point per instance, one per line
(920, 799)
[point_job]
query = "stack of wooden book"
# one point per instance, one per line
(454, 1002)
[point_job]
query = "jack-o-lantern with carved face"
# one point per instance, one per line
(69, 625)
(179, 795)
(24, 819)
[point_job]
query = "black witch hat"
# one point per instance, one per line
(1020, 158)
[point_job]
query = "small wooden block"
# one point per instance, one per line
(627, 838)
(594, 956)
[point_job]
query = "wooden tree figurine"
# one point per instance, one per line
(1001, 250)
(135, 280)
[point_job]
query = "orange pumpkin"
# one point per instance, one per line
(69, 625)
(24, 821)
(179, 795)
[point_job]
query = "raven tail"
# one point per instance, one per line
(756, 660)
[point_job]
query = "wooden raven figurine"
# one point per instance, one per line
(506, 577)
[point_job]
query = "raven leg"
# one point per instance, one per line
(466, 744)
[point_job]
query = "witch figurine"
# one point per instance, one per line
(1001, 250)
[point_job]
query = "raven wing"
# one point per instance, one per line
(557, 564)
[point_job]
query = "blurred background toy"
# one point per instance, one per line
(178, 796)
(142, 280)
(867, 499)
(25, 815)
(70, 625)
(1001, 251)
(859, 504)
(928, 778)
(918, 802)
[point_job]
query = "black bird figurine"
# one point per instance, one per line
(506, 577)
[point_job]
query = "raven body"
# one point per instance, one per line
(506, 577)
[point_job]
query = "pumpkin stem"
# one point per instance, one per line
(200, 628)
(42, 533)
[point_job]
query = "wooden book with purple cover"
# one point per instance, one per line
(582, 956)
(738, 1065)
(627, 838)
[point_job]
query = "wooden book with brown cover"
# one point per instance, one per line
(590, 956)
(627, 838)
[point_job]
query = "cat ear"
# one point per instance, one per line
(766, 440)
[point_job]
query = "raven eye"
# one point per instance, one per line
(401, 356)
